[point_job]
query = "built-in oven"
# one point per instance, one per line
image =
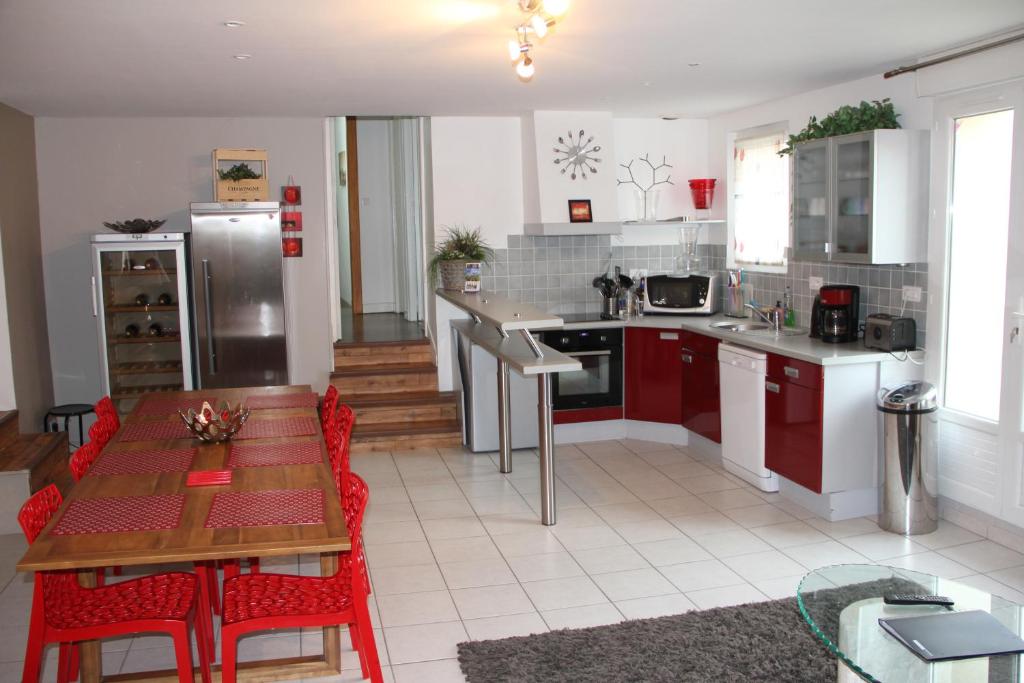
(599, 382)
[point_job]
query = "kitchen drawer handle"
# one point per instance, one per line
(791, 372)
(668, 336)
(95, 313)
(581, 354)
(773, 387)
(687, 358)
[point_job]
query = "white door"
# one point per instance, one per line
(976, 283)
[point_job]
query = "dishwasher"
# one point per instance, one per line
(741, 382)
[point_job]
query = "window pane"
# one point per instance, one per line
(760, 201)
(982, 146)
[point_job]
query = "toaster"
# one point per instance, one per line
(889, 333)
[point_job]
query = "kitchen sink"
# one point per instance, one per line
(759, 329)
(741, 327)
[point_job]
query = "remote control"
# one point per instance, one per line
(910, 599)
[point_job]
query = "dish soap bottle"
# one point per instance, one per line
(790, 312)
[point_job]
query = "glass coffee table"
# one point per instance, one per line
(842, 605)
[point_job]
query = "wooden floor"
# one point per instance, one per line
(377, 327)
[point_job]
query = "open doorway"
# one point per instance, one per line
(380, 217)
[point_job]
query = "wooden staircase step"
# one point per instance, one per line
(412, 407)
(44, 457)
(378, 354)
(394, 379)
(9, 432)
(389, 436)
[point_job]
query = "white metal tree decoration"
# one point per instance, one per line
(645, 191)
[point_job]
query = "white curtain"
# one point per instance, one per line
(408, 215)
(760, 201)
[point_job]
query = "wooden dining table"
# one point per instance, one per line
(192, 540)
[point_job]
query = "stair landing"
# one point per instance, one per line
(28, 463)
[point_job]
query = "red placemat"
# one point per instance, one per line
(285, 426)
(271, 454)
(145, 461)
(305, 399)
(266, 508)
(166, 405)
(113, 515)
(154, 431)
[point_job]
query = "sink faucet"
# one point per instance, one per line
(774, 321)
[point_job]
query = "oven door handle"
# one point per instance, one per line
(577, 354)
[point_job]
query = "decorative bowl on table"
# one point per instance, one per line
(215, 426)
(135, 225)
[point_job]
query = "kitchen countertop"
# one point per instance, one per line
(799, 347)
(501, 312)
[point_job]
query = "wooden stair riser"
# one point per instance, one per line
(365, 356)
(398, 383)
(43, 457)
(380, 414)
(406, 442)
(8, 428)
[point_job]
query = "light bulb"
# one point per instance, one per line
(525, 68)
(556, 8)
(540, 27)
(514, 50)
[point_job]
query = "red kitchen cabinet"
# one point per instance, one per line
(701, 406)
(653, 375)
(794, 416)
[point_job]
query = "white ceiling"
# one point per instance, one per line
(332, 57)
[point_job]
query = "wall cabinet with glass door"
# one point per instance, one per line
(861, 198)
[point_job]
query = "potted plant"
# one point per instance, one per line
(847, 119)
(460, 245)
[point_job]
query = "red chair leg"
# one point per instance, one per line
(206, 574)
(101, 577)
(369, 648)
(357, 645)
(34, 648)
(232, 568)
(74, 662)
(204, 639)
(64, 663)
(183, 653)
(117, 571)
(228, 652)
(254, 565)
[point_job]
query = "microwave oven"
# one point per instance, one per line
(690, 294)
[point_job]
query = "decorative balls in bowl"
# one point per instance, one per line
(215, 426)
(135, 225)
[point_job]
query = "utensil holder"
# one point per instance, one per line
(735, 298)
(611, 305)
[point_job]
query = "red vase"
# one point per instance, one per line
(703, 192)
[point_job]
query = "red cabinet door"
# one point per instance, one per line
(793, 431)
(701, 409)
(653, 375)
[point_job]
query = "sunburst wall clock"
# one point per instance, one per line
(576, 156)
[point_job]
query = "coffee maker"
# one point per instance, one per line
(837, 316)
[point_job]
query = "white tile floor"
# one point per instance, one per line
(456, 552)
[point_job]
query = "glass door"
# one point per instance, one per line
(851, 206)
(142, 313)
(810, 201)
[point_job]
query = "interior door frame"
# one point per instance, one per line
(355, 262)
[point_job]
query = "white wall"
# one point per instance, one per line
(100, 169)
(376, 215)
(478, 175)
(341, 208)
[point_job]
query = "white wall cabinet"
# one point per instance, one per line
(861, 198)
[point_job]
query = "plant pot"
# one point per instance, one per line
(453, 275)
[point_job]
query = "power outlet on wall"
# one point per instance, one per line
(912, 294)
(814, 283)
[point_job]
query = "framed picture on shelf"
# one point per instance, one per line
(579, 211)
(291, 220)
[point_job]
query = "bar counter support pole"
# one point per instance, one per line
(546, 441)
(504, 423)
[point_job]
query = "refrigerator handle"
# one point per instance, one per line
(209, 317)
(95, 311)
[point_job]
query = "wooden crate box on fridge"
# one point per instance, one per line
(237, 164)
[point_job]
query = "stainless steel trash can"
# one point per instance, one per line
(909, 459)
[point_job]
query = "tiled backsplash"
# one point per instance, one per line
(556, 274)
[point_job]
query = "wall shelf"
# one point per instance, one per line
(670, 224)
(603, 228)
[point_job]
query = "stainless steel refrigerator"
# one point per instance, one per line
(238, 290)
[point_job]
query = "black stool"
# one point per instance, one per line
(68, 411)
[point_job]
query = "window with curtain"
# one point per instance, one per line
(759, 221)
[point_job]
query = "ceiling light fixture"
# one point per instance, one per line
(541, 17)
(243, 57)
(234, 23)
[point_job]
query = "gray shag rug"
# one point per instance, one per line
(765, 641)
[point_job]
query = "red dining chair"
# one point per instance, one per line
(339, 438)
(105, 410)
(82, 459)
(260, 602)
(328, 408)
(65, 612)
